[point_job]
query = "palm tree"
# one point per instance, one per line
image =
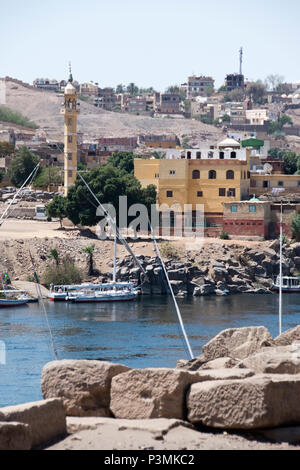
(89, 250)
(54, 255)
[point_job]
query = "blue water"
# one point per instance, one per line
(139, 334)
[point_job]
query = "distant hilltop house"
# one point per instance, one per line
(198, 86)
(233, 81)
(51, 84)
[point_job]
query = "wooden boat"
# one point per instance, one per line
(13, 298)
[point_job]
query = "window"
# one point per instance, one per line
(70, 173)
(231, 192)
(172, 172)
(156, 175)
(221, 155)
(169, 193)
(196, 174)
(210, 155)
(188, 155)
(199, 193)
(280, 183)
(266, 184)
(69, 121)
(252, 208)
(234, 208)
(70, 139)
(69, 156)
(232, 154)
(212, 175)
(222, 192)
(229, 175)
(198, 155)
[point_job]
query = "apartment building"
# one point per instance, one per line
(233, 81)
(88, 89)
(208, 175)
(133, 104)
(46, 84)
(199, 86)
(169, 103)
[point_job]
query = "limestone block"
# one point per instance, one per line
(15, 436)
(46, 418)
(84, 385)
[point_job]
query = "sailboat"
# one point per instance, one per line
(107, 292)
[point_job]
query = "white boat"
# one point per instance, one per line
(288, 284)
(65, 292)
(110, 292)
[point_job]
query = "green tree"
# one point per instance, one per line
(123, 161)
(296, 227)
(21, 166)
(226, 118)
(132, 89)
(107, 182)
(120, 88)
(89, 250)
(54, 255)
(57, 208)
(257, 90)
(290, 160)
(47, 176)
(9, 115)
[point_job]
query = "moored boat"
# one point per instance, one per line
(289, 284)
(112, 292)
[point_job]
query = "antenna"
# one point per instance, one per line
(241, 60)
(70, 73)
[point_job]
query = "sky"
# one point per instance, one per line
(149, 42)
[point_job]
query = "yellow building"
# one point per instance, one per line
(70, 112)
(208, 176)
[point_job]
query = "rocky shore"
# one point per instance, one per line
(218, 268)
(241, 392)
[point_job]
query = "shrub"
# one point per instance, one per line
(224, 235)
(169, 251)
(64, 273)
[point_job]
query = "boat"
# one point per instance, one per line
(107, 292)
(64, 292)
(13, 298)
(288, 284)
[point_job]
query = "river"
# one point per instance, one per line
(143, 333)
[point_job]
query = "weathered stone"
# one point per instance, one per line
(46, 418)
(220, 363)
(191, 364)
(84, 385)
(288, 336)
(205, 289)
(237, 342)
(223, 374)
(150, 393)
(15, 436)
(275, 360)
(251, 403)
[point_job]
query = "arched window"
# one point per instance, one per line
(196, 174)
(229, 175)
(232, 154)
(212, 175)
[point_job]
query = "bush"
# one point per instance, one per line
(64, 273)
(169, 251)
(8, 115)
(224, 235)
(296, 227)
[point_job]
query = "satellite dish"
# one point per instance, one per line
(268, 168)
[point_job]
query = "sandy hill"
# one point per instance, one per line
(43, 108)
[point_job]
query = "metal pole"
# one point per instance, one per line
(280, 274)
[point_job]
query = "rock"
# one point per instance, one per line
(220, 363)
(15, 436)
(288, 337)
(219, 274)
(46, 419)
(84, 385)
(274, 245)
(290, 434)
(275, 360)
(206, 289)
(251, 403)
(192, 364)
(223, 374)
(237, 343)
(150, 393)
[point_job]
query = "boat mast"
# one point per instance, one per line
(280, 273)
(115, 255)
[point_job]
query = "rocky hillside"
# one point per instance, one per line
(44, 109)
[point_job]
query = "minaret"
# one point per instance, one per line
(70, 112)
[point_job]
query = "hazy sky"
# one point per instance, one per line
(150, 42)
